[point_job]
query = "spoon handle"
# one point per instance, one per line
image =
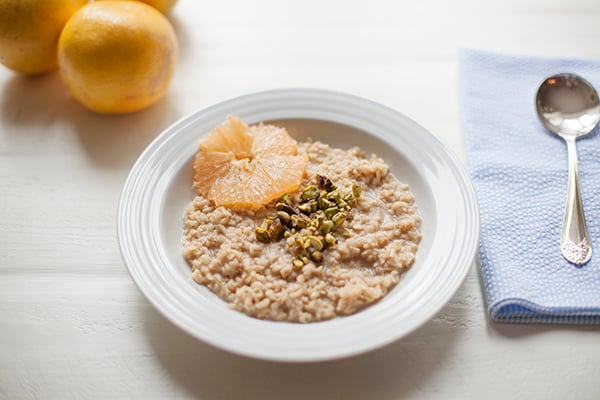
(575, 242)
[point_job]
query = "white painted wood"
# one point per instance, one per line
(74, 326)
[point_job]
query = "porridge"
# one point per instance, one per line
(338, 243)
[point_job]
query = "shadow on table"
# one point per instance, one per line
(512, 330)
(110, 140)
(117, 140)
(400, 368)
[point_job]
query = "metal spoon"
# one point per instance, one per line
(568, 106)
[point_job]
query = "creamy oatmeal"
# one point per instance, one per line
(374, 245)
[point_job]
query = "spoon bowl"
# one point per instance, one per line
(568, 106)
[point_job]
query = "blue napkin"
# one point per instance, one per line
(519, 170)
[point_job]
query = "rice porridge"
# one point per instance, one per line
(337, 267)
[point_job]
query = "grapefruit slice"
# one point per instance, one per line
(247, 166)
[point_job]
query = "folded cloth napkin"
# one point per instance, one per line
(519, 170)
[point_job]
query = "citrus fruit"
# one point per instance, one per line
(247, 166)
(161, 5)
(117, 56)
(29, 31)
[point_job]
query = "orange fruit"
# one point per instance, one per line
(29, 31)
(117, 56)
(247, 166)
(161, 5)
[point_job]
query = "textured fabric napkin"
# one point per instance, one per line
(519, 170)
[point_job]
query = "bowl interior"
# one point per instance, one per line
(335, 134)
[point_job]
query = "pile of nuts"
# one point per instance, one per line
(320, 214)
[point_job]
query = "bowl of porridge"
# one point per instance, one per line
(372, 230)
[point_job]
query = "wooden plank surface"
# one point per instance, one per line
(74, 326)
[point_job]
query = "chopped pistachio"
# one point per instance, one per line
(300, 242)
(275, 230)
(314, 223)
(309, 192)
(330, 212)
(266, 222)
(325, 183)
(303, 221)
(285, 199)
(324, 203)
(329, 239)
(318, 219)
(284, 216)
(316, 242)
(286, 207)
(293, 221)
(306, 242)
(326, 226)
(305, 208)
(262, 235)
(356, 190)
(335, 195)
(339, 218)
(319, 211)
(316, 256)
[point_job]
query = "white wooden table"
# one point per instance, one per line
(73, 324)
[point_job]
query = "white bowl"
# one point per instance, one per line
(159, 187)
